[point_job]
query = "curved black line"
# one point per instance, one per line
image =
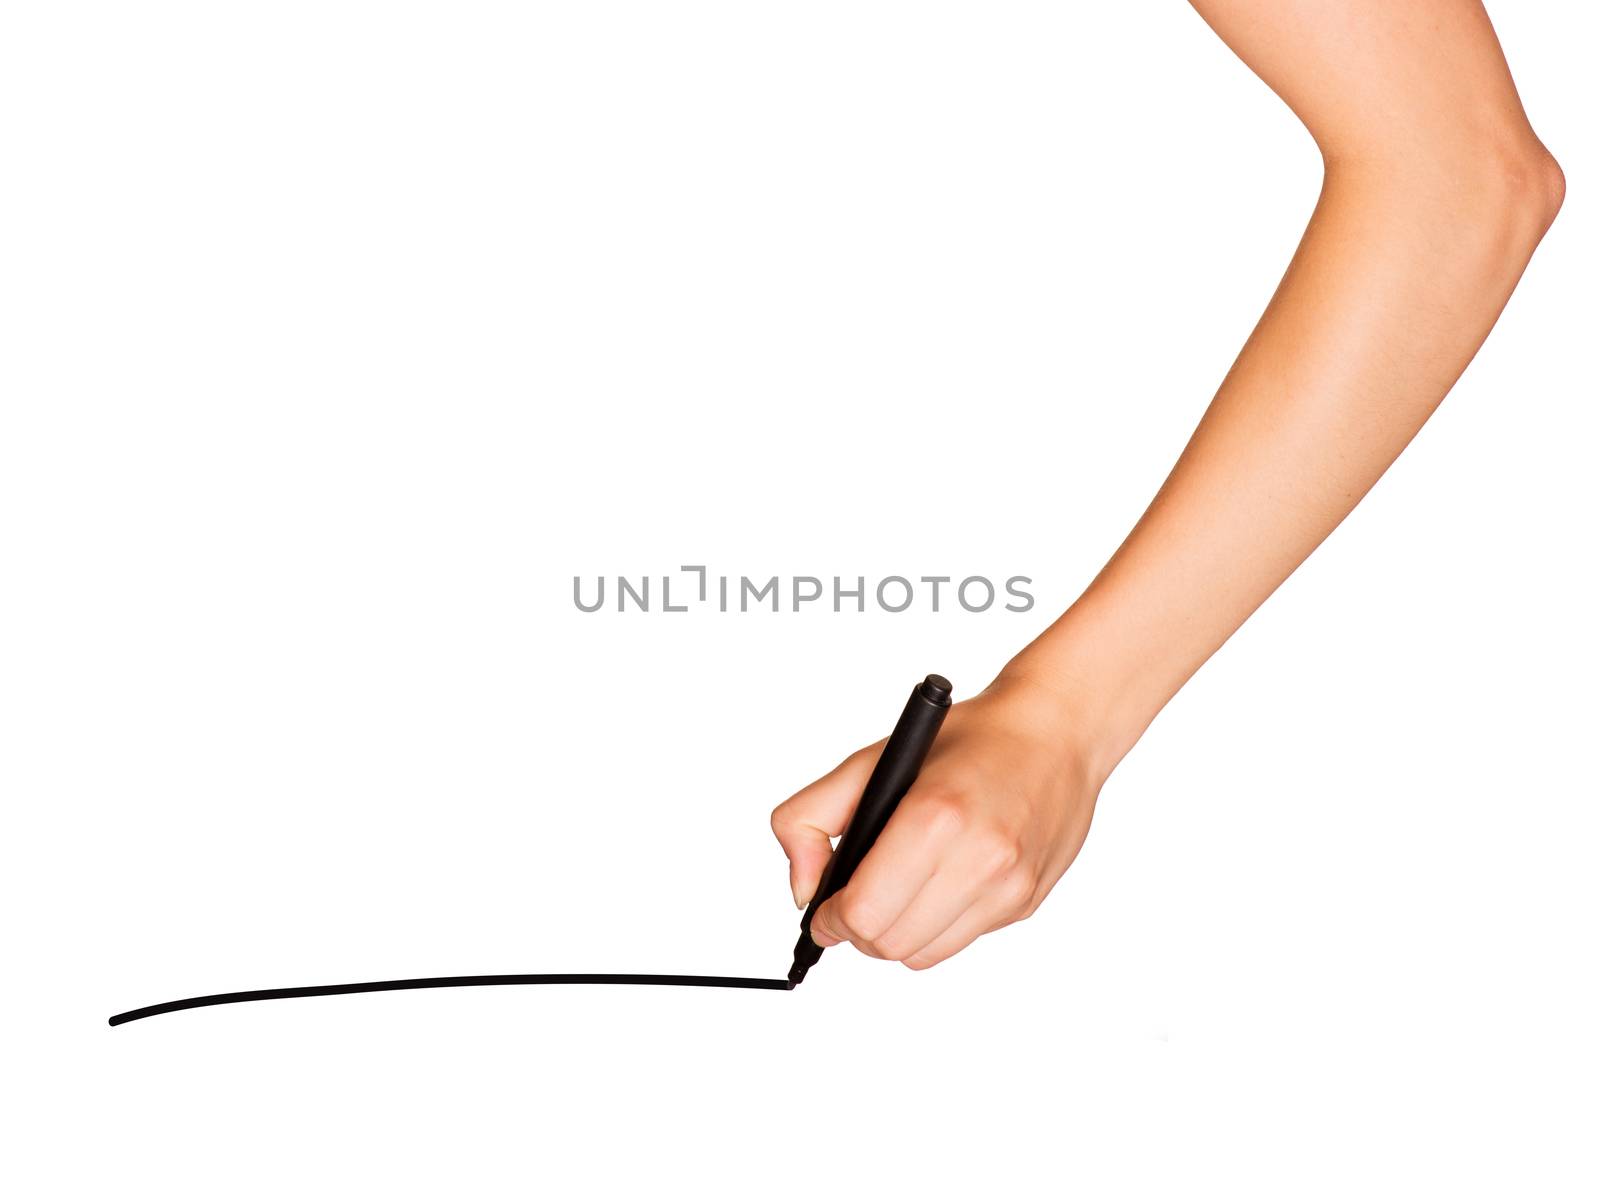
(494, 979)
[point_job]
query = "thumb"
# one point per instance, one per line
(805, 823)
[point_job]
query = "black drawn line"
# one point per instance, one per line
(496, 979)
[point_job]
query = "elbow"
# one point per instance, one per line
(1498, 209)
(1508, 198)
(1526, 187)
(1552, 186)
(1489, 195)
(1499, 197)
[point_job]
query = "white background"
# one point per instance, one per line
(339, 337)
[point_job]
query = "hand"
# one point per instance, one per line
(994, 820)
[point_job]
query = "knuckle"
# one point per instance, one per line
(859, 916)
(782, 818)
(867, 754)
(1035, 898)
(998, 850)
(1015, 891)
(856, 762)
(943, 815)
(827, 919)
(892, 948)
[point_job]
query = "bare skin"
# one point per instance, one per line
(1436, 192)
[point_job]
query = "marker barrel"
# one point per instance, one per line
(897, 767)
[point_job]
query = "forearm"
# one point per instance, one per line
(1406, 263)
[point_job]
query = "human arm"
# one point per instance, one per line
(1436, 192)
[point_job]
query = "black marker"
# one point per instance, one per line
(897, 767)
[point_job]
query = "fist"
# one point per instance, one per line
(997, 815)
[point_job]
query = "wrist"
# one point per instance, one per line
(1058, 716)
(1083, 694)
